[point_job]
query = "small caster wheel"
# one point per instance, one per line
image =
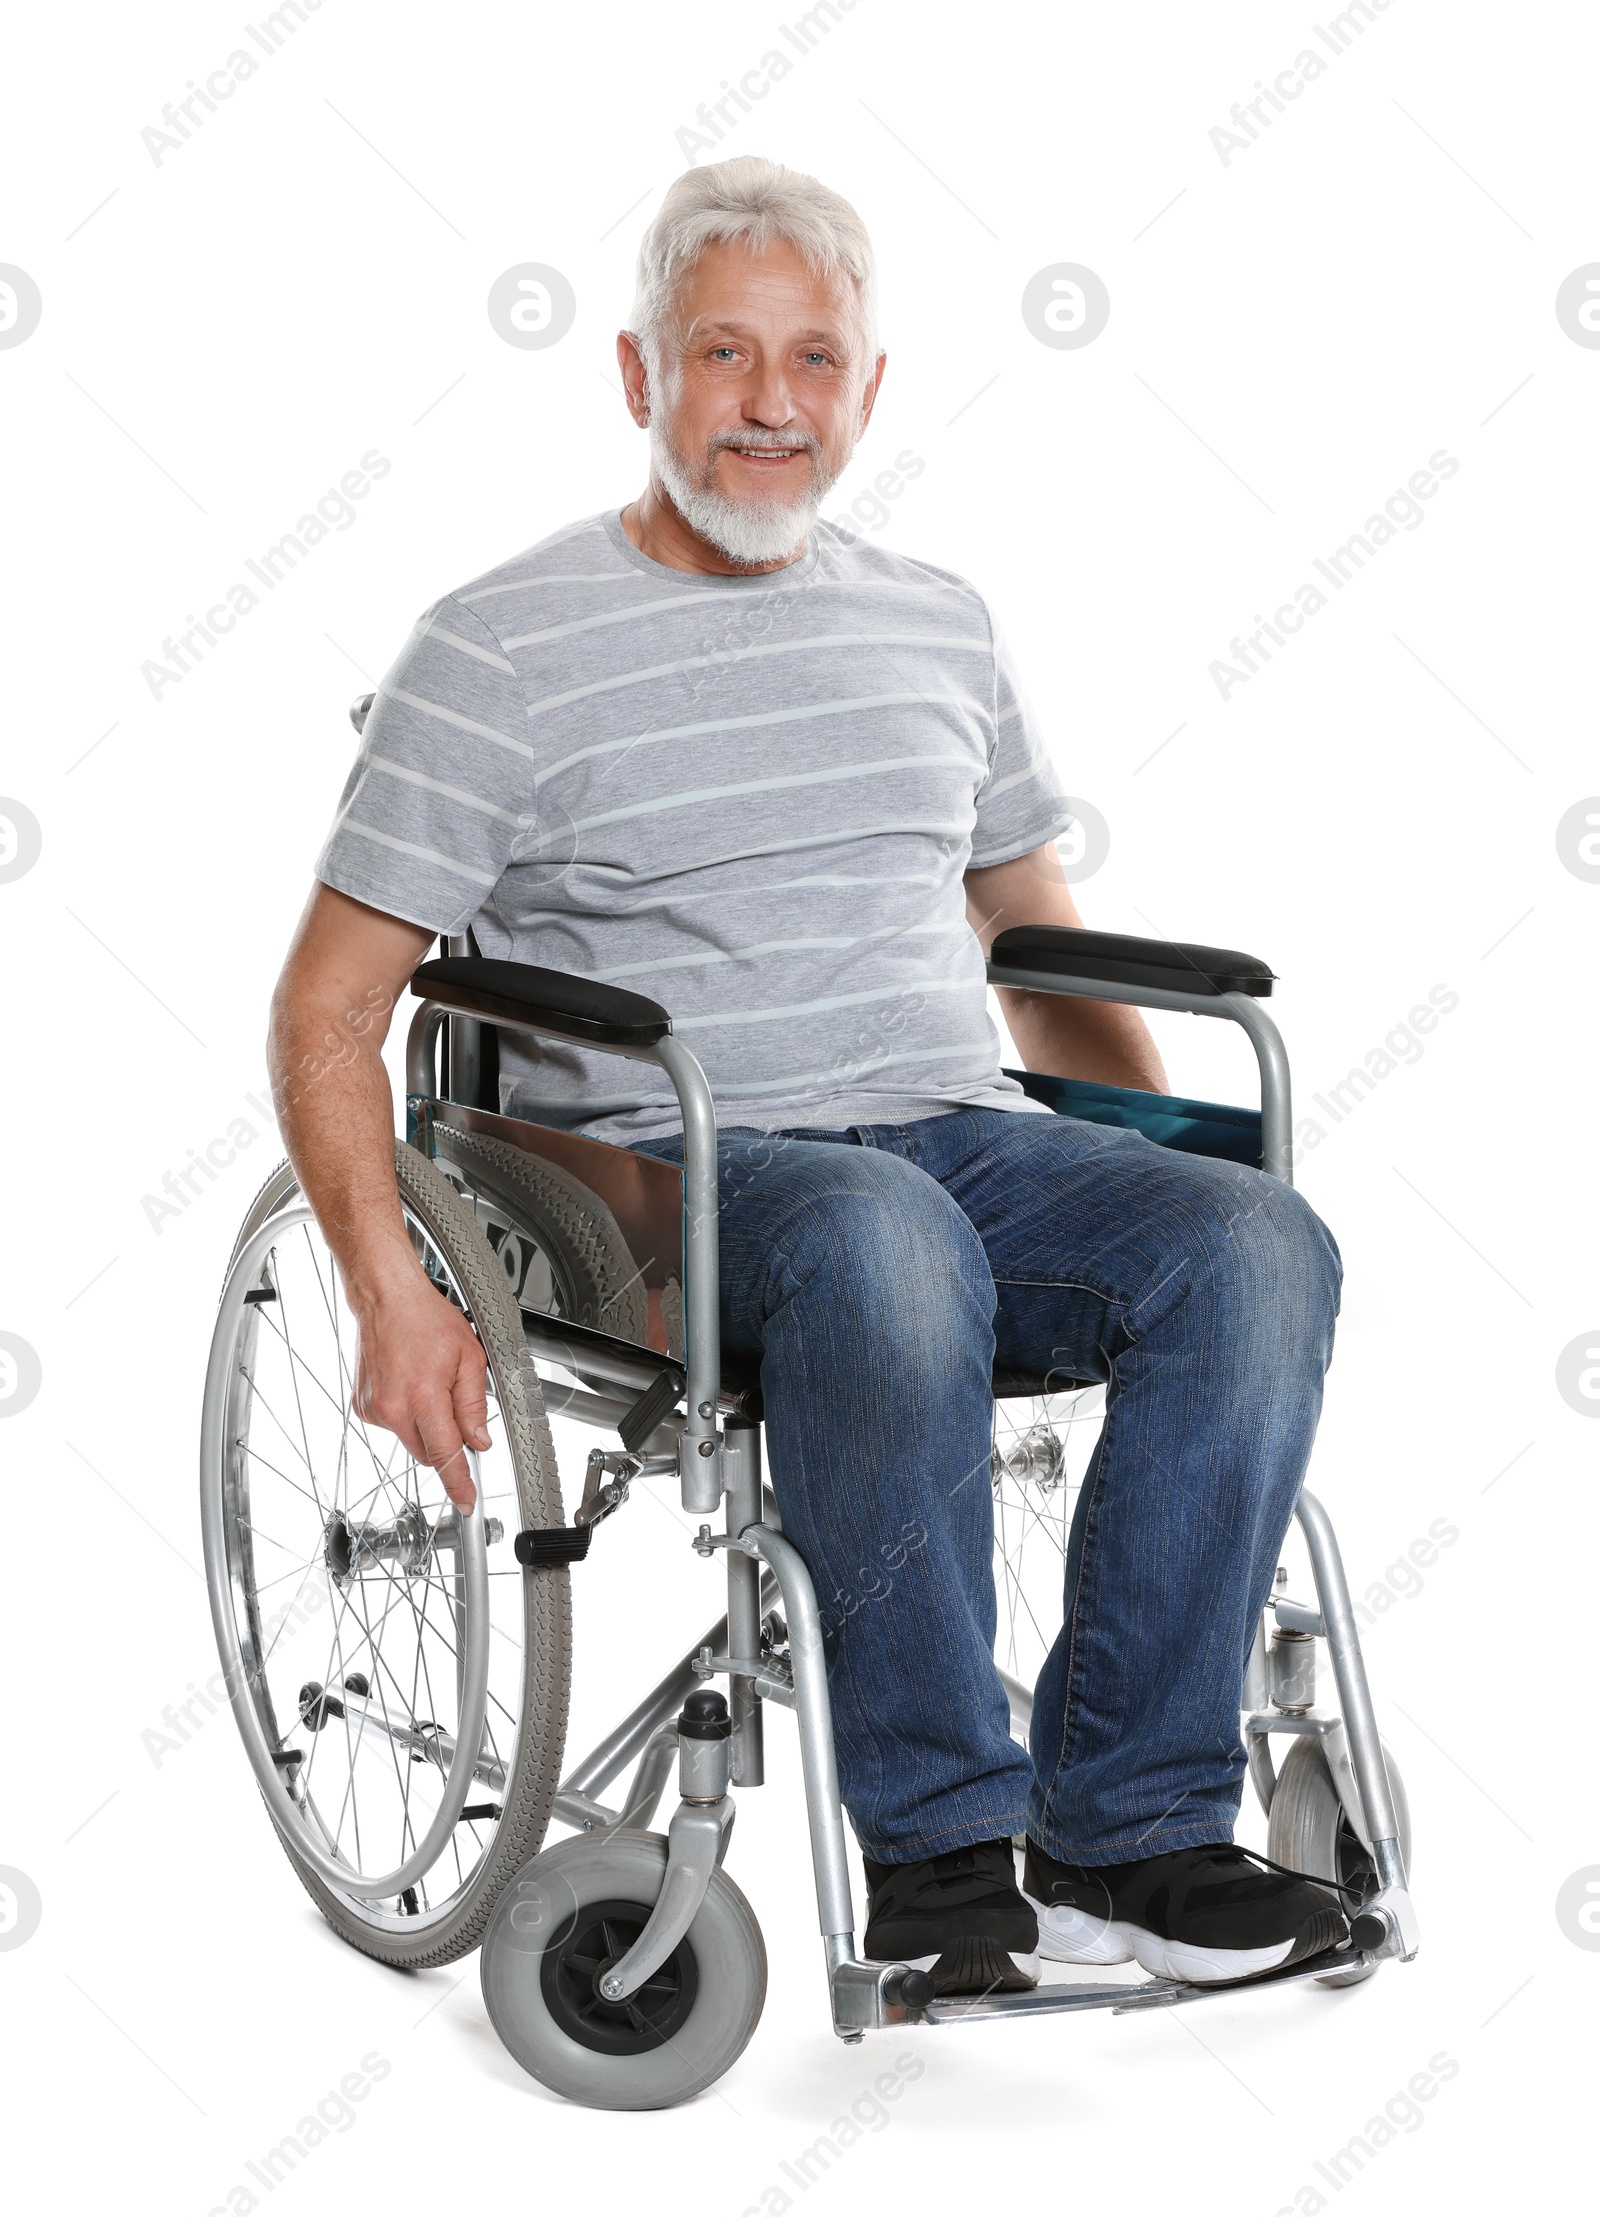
(316, 1706)
(1309, 1831)
(564, 1920)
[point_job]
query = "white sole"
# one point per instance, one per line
(1074, 1936)
(1069, 1935)
(1193, 1966)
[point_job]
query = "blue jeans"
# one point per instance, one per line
(879, 1273)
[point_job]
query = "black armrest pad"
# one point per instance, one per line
(576, 1008)
(1114, 958)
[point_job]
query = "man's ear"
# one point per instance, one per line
(869, 395)
(635, 377)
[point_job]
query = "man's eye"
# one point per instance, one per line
(814, 358)
(722, 353)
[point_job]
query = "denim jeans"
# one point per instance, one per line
(879, 1273)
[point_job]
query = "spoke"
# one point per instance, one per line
(384, 1466)
(279, 1323)
(282, 1475)
(308, 1565)
(347, 1415)
(284, 1625)
(402, 1771)
(349, 1419)
(336, 1652)
(1027, 1518)
(259, 1400)
(244, 1524)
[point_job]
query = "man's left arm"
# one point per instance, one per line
(1057, 1034)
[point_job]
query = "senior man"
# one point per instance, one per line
(786, 783)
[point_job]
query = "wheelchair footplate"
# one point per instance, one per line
(901, 2005)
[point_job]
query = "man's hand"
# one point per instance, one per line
(1056, 1034)
(420, 1373)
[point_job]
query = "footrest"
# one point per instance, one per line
(1153, 1993)
(557, 1543)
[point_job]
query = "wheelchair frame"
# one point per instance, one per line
(719, 1465)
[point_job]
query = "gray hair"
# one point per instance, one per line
(761, 202)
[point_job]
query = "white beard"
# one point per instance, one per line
(749, 532)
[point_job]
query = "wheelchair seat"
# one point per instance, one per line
(600, 1359)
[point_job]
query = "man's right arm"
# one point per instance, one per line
(420, 1370)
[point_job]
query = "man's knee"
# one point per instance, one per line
(1288, 1268)
(1261, 1253)
(885, 1244)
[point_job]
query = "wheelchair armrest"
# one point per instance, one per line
(1115, 958)
(520, 993)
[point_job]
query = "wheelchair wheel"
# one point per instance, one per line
(1308, 1830)
(1040, 1450)
(400, 1684)
(570, 1913)
(559, 1246)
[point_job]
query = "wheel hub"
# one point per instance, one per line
(1038, 1458)
(597, 1938)
(357, 1548)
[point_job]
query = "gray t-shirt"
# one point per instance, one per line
(751, 799)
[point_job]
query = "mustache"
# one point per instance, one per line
(774, 442)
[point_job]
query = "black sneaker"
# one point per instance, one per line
(957, 1916)
(1203, 1915)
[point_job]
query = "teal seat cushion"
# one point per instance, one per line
(1192, 1127)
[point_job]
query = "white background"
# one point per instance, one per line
(1292, 334)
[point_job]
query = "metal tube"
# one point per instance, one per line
(603, 1411)
(1355, 1698)
(835, 1916)
(1277, 1120)
(741, 1470)
(1101, 989)
(447, 1539)
(421, 1075)
(702, 1315)
(1277, 1150)
(619, 1747)
(434, 1746)
(650, 1779)
(463, 1039)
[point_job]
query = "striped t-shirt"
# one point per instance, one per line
(750, 798)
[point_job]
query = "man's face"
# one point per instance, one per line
(763, 390)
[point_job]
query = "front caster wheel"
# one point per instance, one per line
(1309, 1831)
(567, 1916)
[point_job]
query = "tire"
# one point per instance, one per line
(594, 1279)
(1308, 1829)
(445, 1914)
(708, 1995)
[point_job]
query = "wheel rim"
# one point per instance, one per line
(592, 1940)
(1040, 1451)
(355, 1612)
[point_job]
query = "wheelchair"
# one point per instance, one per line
(400, 1673)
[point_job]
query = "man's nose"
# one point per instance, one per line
(768, 401)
